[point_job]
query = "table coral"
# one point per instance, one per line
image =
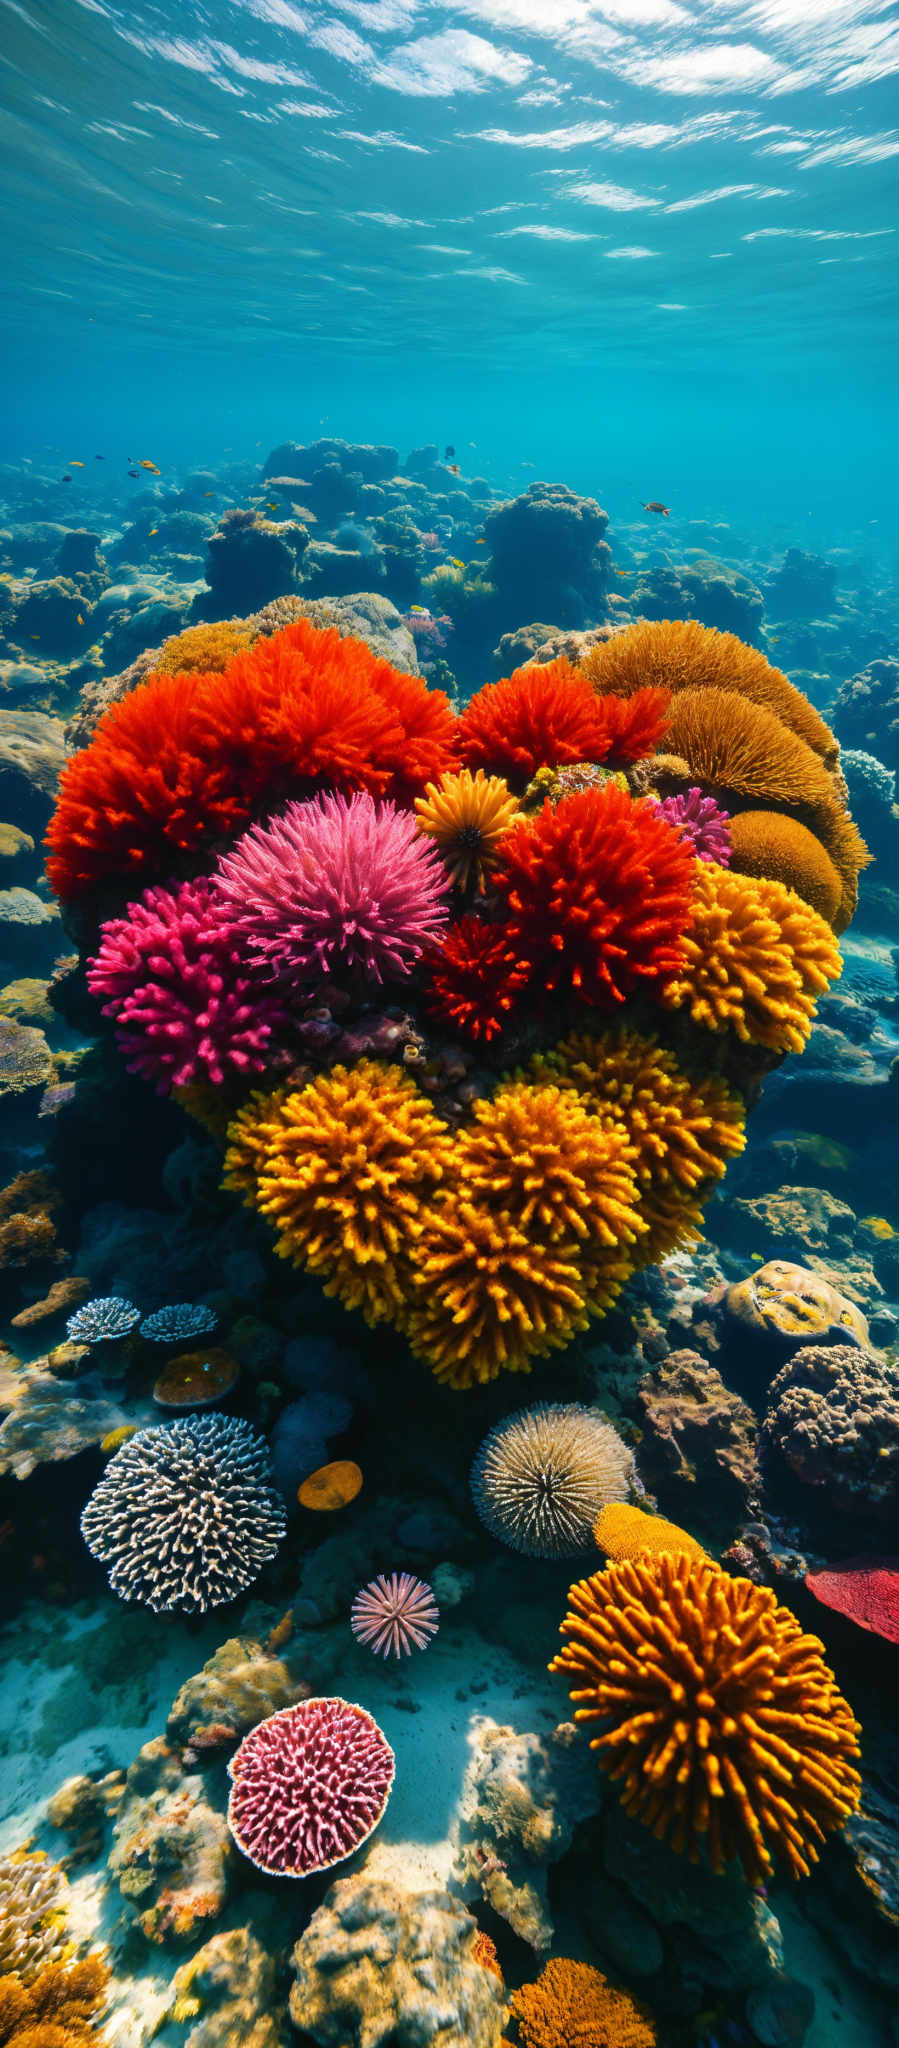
(571, 2005)
(719, 1715)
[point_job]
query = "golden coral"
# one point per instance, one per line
(680, 654)
(625, 1532)
(536, 1153)
(721, 1719)
(466, 816)
(491, 1299)
(572, 2006)
(682, 1132)
(58, 2009)
(755, 960)
(205, 649)
(344, 1169)
(773, 844)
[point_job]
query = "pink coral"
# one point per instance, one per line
(335, 885)
(310, 1784)
(703, 822)
(186, 1006)
(395, 1615)
(864, 1588)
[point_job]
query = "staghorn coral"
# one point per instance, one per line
(185, 1515)
(769, 843)
(571, 2005)
(466, 816)
(541, 1477)
(682, 1132)
(32, 1914)
(536, 718)
(680, 654)
(396, 1615)
(103, 1320)
(60, 2008)
(720, 1716)
(598, 894)
(344, 1170)
(626, 1532)
(476, 978)
(708, 828)
(755, 960)
(336, 886)
(178, 1323)
(206, 649)
(309, 1785)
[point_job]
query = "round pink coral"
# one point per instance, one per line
(187, 1006)
(335, 885)
(703, 822)
(310, 1784)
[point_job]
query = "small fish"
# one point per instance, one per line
(421, 608)
(449, 452)
(134, 472)
(454, 469)
(209, 494)
(77, 465)
(99, 458)
(271, 504)
(35, 636)
(774, 639)
(153, 529)
(152, 466)
(80, 620)
(480, 543)
(455, 562)
(65, 479)
(655, 506)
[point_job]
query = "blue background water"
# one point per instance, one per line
(645, 246)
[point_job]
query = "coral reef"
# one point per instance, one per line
(204, 650)
(541, 1476)
(32, 1915)
(395, 1616)
(866, 712)
(833, 1418)
(802, 588)
(331, 1486)
(572, 2005)
(680, 654)
(378, 1964)
(185, 1515)
(720, 1715)
(309, 1785)
(525, 1796)
(476, 978)
(60, 2008)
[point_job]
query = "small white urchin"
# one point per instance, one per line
(186, 1515)
(542, 1475)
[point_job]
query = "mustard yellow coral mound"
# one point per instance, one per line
(206, 650)
(773, 844)
(252, 1137)
(733, 745)
(345, 1170)
(680, 654)
(755, 960)
(58, 2009)
(573, 2006)
(490, 1299)
(538, 1154)
(721, 1719)
(625, 1532)
(466, 816)
(681, 1132)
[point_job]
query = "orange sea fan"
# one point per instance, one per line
(536, 718)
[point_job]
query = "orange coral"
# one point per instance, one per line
(573, 2006)
(680, 654)
(770, 843)
(721, 1718)
(625, 1532)
(484, 1952)
(466, 816)
(634, 725)
(755, 960)
(733, 745)
(536, 718)
(491, 1300)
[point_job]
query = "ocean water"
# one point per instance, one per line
(438, 1213)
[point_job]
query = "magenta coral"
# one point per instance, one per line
(186, 1005)
(703, 822)
(395, 1615)
(335, 885)
(310, 1784)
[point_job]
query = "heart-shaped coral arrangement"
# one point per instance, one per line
(476, 1002)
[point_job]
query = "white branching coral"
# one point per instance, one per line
(32, 1915)
(185, 1516)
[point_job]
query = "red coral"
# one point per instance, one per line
(476, 978)
(633, 725)
(537, 718)
(599, 890)
(187, 760)
(866, 1589)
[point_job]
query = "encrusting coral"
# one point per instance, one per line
(466, 816)
(754, 961)
(571, 2005)
(770, 843)
(60, 2008)
(720, 1716)
(681, 654)
(624, 1531)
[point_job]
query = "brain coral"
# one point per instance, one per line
(572, 2006)
(541, 1477)
(680, 654)
(769, 843)
(598, 894)
(310, 1784)
(682, 1132)
(32, 1914)
(755, 960)
(719, 1715)
(343, 1169)
(833, 1417)
(185, 1515)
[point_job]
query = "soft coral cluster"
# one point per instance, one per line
(549, 715)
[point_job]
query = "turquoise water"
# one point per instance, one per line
(640, 245)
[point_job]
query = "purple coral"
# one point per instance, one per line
(187, 1006)
(335, 885)
(703, 822)
(395, 1615)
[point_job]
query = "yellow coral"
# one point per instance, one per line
(491, 1300)
(466, 816)
(680, 654)
(204, 650)
(344, 1169)
(721, 1718)
(682, 1132)
(58, 2009)
(755, 960)
(625, 1532)
(537, 1153)
(770, 843)
(572, 2006)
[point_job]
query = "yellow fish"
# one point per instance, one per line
(76, 465)
(418, 608)
(480, 543)
(455, 562)
(153, 529)
(148, 465)
(209, 494)
(80, 620)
